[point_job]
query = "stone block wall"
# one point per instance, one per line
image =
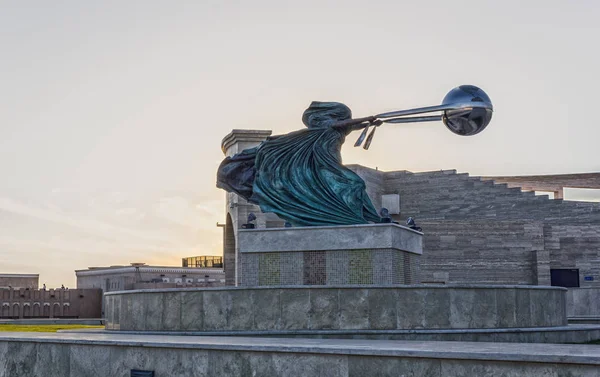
(488, 252)
(575, 246)
(557, 233)
(451, 196)
(551, 183)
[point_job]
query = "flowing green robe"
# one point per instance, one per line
(300, 177)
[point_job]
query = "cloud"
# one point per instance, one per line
(85, 224)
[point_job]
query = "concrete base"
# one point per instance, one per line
(378, 254)
(94, 355)
(344, 308)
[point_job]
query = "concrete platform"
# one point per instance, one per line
(584, 319)
(345, 308)
(576, 333)
(91, 355)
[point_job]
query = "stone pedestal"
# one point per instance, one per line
(381, 311)
(380, 254)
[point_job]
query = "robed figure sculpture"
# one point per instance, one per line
(300, 177)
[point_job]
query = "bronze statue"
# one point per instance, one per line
(300, 177)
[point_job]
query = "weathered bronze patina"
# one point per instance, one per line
(300, 176)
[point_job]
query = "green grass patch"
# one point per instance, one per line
(44, 328)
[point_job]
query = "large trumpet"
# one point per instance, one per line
(466, 110)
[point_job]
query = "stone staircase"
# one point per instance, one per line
(448, 195)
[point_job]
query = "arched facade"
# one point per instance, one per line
(229, 252)
(16, 311)
(5, 310)
(56, 310)
(53, 303)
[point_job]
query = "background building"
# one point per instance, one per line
(31, 281)
(203, 261)
(52, 303)
(140, 276)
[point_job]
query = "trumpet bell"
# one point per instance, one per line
(471, 110)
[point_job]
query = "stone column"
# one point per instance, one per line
(235, 207)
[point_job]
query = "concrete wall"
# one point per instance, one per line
(583, 302)
(336, 308)
(53, 303)
(89, 356)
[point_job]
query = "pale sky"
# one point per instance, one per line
(112, 112)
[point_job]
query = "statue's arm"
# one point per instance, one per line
(355, 124)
